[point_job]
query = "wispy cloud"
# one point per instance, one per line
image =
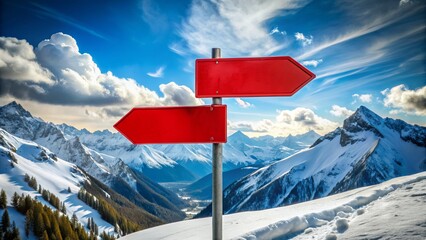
(368, 18)
(157, 74)
(233, 26)
(404, 2)
(153, 16)
(243, 103)
(304, 40)
(49, 12)
(177, 48)
(277, 31)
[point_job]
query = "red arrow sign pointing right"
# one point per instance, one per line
(249, 77)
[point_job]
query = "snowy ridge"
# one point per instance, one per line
(340, 216)
(366, 150)
(51, 172)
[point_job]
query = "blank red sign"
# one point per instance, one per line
(249, 77)
(159, 125)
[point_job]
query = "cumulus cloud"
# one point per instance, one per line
(18, 62)
(313, 63)
(238, 27)
(365, 98)
(157, 74)
(339, 111)
(296, 121)
(263, 126)
(405, 100)
(57, 73)
(304, 40)
(243, 103)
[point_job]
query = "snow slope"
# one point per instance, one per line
(110, 170)
(51, 172)
(367, 150)
(391, 210)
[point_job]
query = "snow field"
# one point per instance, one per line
(332, 217)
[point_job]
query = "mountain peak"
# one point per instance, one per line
(362, 120)
(238, 135)
(368, 115)
(15, 109)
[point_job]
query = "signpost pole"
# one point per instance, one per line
(217, 174)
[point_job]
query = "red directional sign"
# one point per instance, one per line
(198, 124)
(249, 77)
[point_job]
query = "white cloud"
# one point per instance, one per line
(276, 30)
(404, 2)
(365, 98)
(177, 48)
(406, 100)
(243, 103)
(238, 27)
(57, 73)
(313, 63)
(296, 121)
(177, 95)
(153, 15)
(19, 63)
(157, 74)
(339, 111)
(305, 40)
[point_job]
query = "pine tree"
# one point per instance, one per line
(5, 221)
(28, 220)
(63, 208)
(15, 232)
(55, 230)
(74, 221)
(15, 200)
(38, 225)
(3, 199)
(44, 236)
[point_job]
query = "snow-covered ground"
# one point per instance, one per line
(394, 209)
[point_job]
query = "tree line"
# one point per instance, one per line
(44, 222)
(108, 213)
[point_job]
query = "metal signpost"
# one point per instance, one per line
(216, 78)
(217, 199)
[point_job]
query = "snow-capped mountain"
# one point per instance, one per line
(143, 158)
(366, 150)
(108, 169)
(21, 158)
(187, 162)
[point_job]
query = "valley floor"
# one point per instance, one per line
(391, 210)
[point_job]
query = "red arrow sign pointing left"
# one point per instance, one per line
(158, 125)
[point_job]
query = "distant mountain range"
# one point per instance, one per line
(189, 162)
(133, 171)
(367, 150)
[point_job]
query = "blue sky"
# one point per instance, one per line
(86, 63)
